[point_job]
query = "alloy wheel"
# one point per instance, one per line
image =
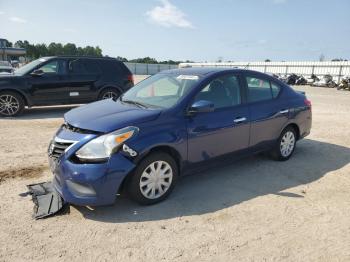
(287, 144)
(9, 105)
(156, 179)
(109, 95)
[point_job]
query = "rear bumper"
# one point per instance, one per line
(92, 184)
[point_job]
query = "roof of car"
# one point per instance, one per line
(76, 56)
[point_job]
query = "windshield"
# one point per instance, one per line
(160, 91)
(28, 67)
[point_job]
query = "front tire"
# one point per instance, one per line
(285, 146)
(154, 179)
(11, 104)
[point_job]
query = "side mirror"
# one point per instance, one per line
(37, 72)
(201, 106)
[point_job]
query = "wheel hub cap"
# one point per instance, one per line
(287, 144)
(109, 95)
(9, 105)
(156, 179)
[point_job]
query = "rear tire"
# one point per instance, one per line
(153, 179)
(109, 93)
(285, 145)
(11, 104)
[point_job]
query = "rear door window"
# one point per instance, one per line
(76, 67)
(260, 89)
(91, 66)
(275, 89)
(110, 67)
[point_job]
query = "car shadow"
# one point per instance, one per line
(44, 112)
(230, 185)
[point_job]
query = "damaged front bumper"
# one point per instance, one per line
(46, 199)
(83, 184)
(91, 184)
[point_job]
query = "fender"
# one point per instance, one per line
(27, 99)
(143, 146)
(175, 140)
(175, 143)
(290, 123)
(299, 116)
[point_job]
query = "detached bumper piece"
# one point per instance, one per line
(46, 199)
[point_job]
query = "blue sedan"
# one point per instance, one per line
(169, 125)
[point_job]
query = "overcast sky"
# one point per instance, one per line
(200, 30)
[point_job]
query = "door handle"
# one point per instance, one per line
(239, 120)
(284, 111)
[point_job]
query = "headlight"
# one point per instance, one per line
(102, 147)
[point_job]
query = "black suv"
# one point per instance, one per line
(62, 80)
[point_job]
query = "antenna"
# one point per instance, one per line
(246, 66)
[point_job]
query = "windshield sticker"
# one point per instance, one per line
(187, 77)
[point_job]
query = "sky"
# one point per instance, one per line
(197, 30)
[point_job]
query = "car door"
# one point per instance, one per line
(226, 129)
(48, 86)
(268, 111)
(83, 75)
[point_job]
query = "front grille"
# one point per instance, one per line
(71, 128)
(58, 147)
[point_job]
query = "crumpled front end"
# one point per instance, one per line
(80, 183)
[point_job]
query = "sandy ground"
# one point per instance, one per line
(253, 210)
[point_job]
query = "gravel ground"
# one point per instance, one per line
(253, 210)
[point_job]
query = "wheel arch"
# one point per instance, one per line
(295, 127)
(158, 148)
(119, 89)
(27, 101)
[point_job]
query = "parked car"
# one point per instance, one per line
(169, 125)
(63, 80)
(6, 67)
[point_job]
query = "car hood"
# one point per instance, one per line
(108, 115)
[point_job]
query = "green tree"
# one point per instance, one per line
(8, 43)
(70, 49)
(145, 60)
(55, 49)
(123, 59)
(98, 51)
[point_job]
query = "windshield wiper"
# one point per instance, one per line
(139, 104)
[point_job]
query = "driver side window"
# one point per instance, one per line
(50, 68)
(223, 91)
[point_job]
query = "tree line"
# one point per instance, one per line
(150, 60)
(35, 51)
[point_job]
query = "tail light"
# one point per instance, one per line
(307, 102)
(131, 78)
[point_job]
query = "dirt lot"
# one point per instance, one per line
(253, 210)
